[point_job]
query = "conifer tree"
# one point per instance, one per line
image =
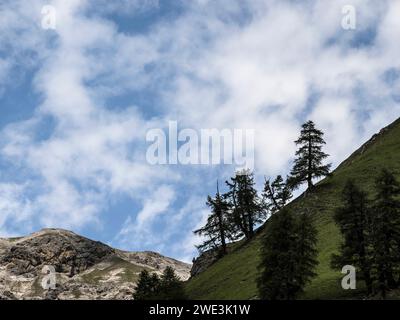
(353, 219)
(288, 256)
(386, 231)
(309, 157)
(247, 209)
(152, 287)
(306, 252)
(276, 194)
(216, 230)
(171, 288)
(147, 287)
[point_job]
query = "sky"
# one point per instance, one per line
(78, 98)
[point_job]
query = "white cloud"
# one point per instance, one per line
(155, 205)
(13, 206)
(158, 226)
(261, 74)
(88, 155)
(335, 117)
(139, 231)
(262, 65)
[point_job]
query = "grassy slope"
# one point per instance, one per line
(233, 277)
(130, 273)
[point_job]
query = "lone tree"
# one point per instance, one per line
(247, 209)
(353, 219)
(386, 231)
(276, 194)
(217, 229)
(288, 256)
(309, 157)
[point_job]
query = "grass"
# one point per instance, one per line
(130, 273)
(234, 276)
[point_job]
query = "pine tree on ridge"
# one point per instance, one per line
(308, 163)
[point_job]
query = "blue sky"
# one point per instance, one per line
(76, 103)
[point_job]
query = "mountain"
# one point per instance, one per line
(87, 269)
(84, 269)
(234, 276)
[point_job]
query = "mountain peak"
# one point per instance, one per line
(84, 268)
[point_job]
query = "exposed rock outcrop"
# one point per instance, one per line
(203, 262)
(84, 269)
(64, 250)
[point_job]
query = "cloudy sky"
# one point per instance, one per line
(77, 101)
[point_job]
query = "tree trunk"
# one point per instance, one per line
(222, 233)
(309, 173)
(363, 259)
(251, 230)
(272, 192)
(389, 267)
(382, 284)
(368, 281)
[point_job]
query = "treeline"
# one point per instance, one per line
(288, 252)
(370, 226)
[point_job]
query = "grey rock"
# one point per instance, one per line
(85, 269)
(203, 262)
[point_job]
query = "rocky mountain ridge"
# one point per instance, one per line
(83, 268)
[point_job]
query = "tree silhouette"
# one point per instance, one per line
(308, 163)
(276, 194)
(353, 219)
(217, 229)
(247, 209)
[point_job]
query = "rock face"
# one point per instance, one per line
(83, 268)
(67, 252)
(203, 262)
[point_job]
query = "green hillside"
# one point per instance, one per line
(234, 276)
